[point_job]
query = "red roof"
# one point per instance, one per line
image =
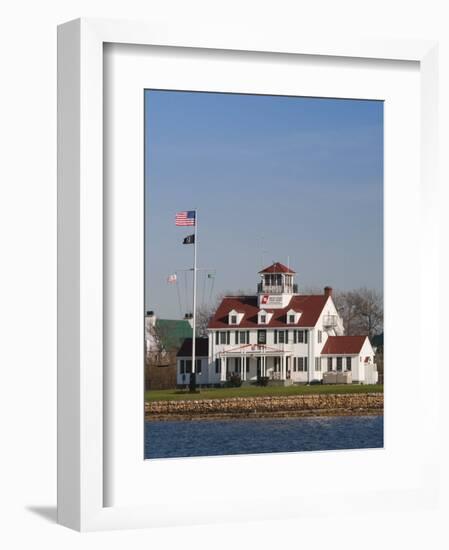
(277, 268)
(343, 345)
(310, 307)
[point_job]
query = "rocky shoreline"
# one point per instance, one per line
(267, 407)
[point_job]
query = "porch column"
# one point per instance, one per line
(282, 367)
(223, 369)
(243, 366)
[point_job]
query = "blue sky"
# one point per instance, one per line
(272, 177)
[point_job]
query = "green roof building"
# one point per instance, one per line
(172, 332)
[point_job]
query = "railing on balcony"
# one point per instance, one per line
(277, 289)
(330, 321)
(254, 350)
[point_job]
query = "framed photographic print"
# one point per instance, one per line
(233, 237)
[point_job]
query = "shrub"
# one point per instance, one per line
(263, 381)
(234, 381)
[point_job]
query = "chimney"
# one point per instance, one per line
(151, 318)
(327, 291)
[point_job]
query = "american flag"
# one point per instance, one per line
(172, 278)
(185, 218)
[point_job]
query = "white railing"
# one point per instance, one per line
(277, 289)
(330, 321)
(270, 350)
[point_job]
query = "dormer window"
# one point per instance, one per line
(293, 317)
(264, 317)
(235, 317)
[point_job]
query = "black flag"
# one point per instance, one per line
(189, 239)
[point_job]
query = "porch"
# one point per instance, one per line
(254, 362)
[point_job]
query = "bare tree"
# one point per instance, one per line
(152, 341)
(203, 315)
(361, 310)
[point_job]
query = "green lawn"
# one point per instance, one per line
(252, 391)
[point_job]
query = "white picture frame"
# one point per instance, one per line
(83, 394)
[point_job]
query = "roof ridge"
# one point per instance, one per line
(277, 267)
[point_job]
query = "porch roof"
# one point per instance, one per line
(255, 350)
(343, 345)
(201, 348)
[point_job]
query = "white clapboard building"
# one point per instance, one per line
(279, 334)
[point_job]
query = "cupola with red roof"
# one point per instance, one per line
(277, 285)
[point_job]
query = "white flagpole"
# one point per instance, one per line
(194, 295)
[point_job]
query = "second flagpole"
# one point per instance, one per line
(195, 238)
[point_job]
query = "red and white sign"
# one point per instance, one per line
(271, 300)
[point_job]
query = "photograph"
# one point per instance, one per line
(263, 313)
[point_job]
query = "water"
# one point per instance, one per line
(167, 439)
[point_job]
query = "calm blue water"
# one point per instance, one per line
(167, 439)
